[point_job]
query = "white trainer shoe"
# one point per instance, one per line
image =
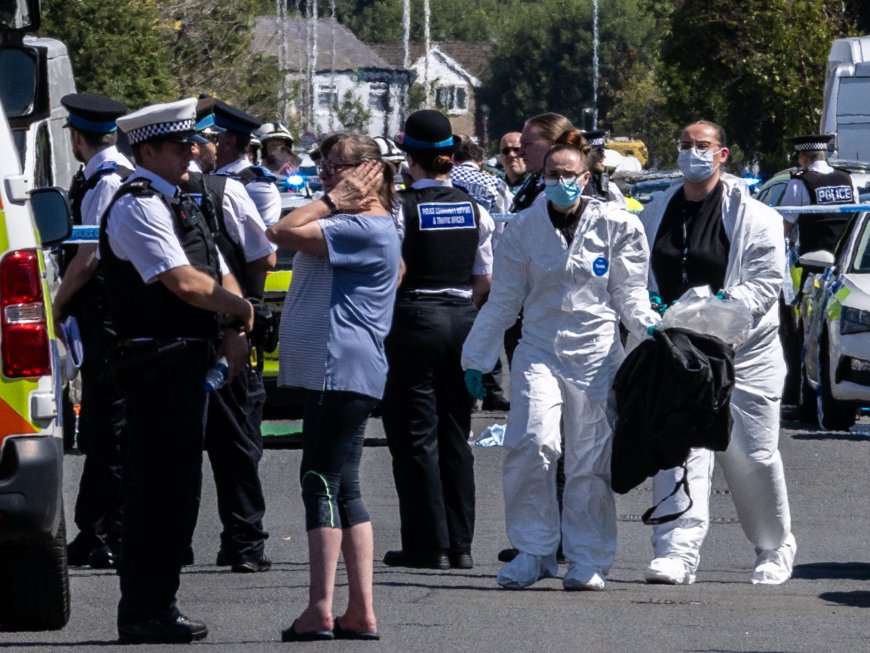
(669, 571)
(526, 570)
(774, 566)
(581, 579)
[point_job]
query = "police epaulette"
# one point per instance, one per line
(107, 165)
(798, 174)
(140, 186)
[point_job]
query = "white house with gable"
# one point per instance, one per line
(327, 63)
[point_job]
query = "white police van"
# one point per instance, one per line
(34, 586)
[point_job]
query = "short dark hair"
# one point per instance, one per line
(720, 131)
(97, 139)
(468, 151)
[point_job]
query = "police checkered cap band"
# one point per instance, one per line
(159, 121)
(596, 142)
(812, 146)
(160, 130)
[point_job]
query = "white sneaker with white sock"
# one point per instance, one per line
(669, 571)
(581, 579)
(774, 566)
(526, 570)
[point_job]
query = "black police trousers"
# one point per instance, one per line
(426, 415)
(98, 504)
(162, 454)
(234, 444)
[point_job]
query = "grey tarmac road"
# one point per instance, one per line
(823, 609)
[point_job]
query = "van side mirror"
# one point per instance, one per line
(52, 213)
(817, 261)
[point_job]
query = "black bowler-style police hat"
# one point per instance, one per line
(813, 143)
(233, 120)
(93, 113)
(428, 130)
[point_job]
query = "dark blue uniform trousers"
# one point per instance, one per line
(427, 418)
(234, 444)
(162, 453)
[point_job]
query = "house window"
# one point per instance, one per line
(327, 97)
(451, 98)
(378, 96)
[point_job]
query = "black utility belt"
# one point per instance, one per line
(417, 295)
(138, 355)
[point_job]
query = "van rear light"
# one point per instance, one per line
(23, 323)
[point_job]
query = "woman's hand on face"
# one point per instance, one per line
(357, 191)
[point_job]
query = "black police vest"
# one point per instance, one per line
(527, 193)
(598, 186)
(255, 173)
(150, 310)
(208, 193)
(822, 230)
(88, 300)
(442, 227)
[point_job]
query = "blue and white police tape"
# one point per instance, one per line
(822, 208)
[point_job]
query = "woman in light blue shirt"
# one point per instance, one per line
(336, 315)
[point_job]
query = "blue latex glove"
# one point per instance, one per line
(474, 383)
(722, 295)
(657, 304)
(651, 329)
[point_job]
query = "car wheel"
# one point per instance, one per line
(833, 415)
(34, 584)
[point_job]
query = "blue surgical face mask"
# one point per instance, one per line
(563, 195)
(697, 166)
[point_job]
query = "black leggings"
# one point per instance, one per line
(333, 427)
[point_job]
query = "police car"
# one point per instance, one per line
(835, 314)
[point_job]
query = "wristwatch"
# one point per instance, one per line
(326, 199)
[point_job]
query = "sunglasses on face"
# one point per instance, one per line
(507, 151)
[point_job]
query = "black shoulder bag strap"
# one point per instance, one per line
(647, 517)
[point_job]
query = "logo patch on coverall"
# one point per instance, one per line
(599, 266)
(446, 215)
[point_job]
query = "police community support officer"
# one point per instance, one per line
(236, 128)
(164, 288)
(93, 131)
(447, 256)
(233, 438)
(817, 184)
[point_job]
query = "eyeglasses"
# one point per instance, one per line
(507, 151)
(552, 180)
(325, 169)
(701, 146)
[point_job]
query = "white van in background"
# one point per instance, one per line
(846, 108)
(35, 73)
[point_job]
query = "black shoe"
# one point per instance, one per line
(78, 552)
(162, 631)
(223, 560)
(188, 557)
(495, 402)
(506, 555)
(253, 565)
(102, 558)
(460, 560)
(434, 560)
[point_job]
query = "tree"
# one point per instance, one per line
(116, 50)
(759, 72)
(352, 114)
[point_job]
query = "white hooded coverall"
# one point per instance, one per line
(752, 464)
(572, 298)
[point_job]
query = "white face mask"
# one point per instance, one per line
(697, 166)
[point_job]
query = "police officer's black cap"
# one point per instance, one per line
(234, 120)
(428, 130)
(93, 113)
(596, 139)
(812, 143)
